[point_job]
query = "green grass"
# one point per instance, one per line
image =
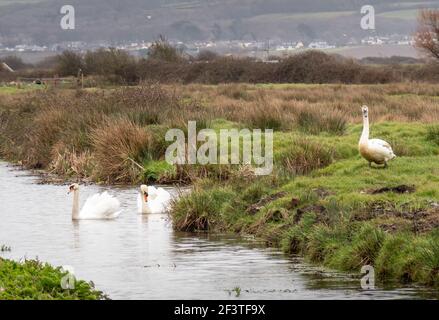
(336, 221)
(34, 280)
(158, 171)
(15, 90)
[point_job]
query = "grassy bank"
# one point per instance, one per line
(322, 200)
(343, 215)
(33, 280)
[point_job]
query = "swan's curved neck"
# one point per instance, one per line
(365, 135)
(75, 209)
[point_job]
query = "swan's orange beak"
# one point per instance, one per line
(70, 189)
(145, 196)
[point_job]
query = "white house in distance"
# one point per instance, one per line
(290, 46)
(320, 45)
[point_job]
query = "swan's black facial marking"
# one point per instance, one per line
(145, 195)
(73, 187)
(365, 113)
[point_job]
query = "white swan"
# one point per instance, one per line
(153, 200)
(98, 206)
(373, 150)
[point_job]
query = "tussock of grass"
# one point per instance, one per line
(314, 122)
(303, 156)
(68, 163)
(409, 258)
(120, 146)
(362, 250)
(429, 255)
(433, 134)
(258, 117)
(200, 211)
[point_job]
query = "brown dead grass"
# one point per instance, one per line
(403, 102)
(119, 149)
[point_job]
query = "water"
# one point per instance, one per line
(141, 257)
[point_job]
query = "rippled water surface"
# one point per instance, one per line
(141, 257)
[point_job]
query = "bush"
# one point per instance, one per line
(167, 63)
(163, 51)
(69, 63)
(207, 55)
(116, 65)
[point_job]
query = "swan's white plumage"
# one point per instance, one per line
(100, 206)
(374, 150)
(382, 148)
(158, 201)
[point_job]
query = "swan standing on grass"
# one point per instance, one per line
(373, 150)
(153, 200)
(98, 206)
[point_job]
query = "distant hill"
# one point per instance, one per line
(37, 21)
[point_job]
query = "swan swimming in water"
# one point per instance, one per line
(153, 200)
(98, 206)
(373, 150)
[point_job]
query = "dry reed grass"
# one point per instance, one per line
(402, 102)
(120, 147)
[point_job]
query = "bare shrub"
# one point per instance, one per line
(69, 63)
(162, 50)
(427, 36)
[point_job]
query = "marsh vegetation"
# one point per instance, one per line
(322, 200)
